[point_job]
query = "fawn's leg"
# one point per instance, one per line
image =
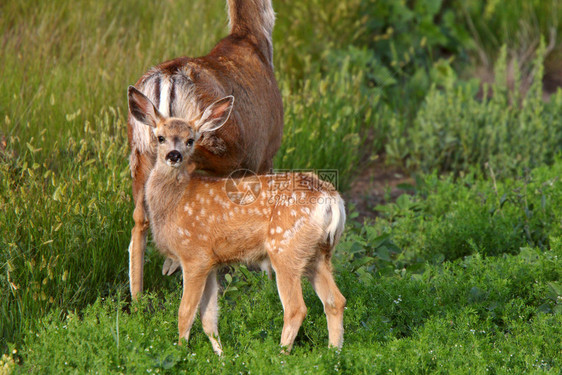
(209, 309)
(323, 282)
(170, 266)
(294, 309)
(194, 279)
(265, 266)
(141, 164)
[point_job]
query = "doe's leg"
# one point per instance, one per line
(323, 283)
(140, 168)
(209, 309)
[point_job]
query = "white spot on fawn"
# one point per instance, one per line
(279, 230)
(188, 209)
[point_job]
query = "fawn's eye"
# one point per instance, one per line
(189, 142)
(161, 139)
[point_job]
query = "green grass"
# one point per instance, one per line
(497, 314)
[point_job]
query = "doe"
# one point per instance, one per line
(240, 64)
(292, 219)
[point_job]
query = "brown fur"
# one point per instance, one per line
(240, 64)
(292, 219)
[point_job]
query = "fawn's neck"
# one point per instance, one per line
(164, 189)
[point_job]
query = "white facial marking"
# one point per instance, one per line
(165, 90)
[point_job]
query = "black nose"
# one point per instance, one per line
(174, 156)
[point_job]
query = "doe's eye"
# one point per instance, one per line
(161, 139)
(189, 142)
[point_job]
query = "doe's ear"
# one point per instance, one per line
(142, 109)
(216, 115)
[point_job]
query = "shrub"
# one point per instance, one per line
(454, 129)
(452, 218)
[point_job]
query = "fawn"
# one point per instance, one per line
(241, 64)
(292, 219)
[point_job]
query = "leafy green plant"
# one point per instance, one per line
(454, 129)
(474, 312)
(449, 218)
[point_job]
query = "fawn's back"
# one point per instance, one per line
(242, 220)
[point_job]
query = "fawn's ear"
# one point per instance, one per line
(216, 115)
(142, 108)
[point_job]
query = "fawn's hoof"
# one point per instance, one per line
(170, 266)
